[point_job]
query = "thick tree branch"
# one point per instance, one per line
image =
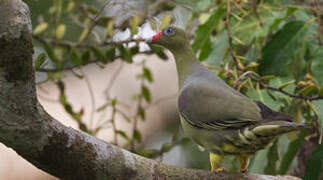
(51, 146)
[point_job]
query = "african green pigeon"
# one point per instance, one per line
(214, 115)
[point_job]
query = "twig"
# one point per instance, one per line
(69, 44)
(243, 75)
(94, 21)
(114, 110)
(113, 78)
(266, 86)
(89, 86)
(92, 61)
(227, 22)
(319, 21)
(255, 10)
(135, 119)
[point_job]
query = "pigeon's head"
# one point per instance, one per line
(171, 37)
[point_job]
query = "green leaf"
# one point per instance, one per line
(159, 51)
(147, 74)
(258, 162)
(206, 50)
(122, 134)
(204, 31)
(149, 153)
(84, 34)
(277, 21)
(75, 58)
(70, 6)
(134, 50)
(307, 90)
(272, 157)
(282, 86)
(321, 91)
(142, 113)
(99, 54)
(114, 102)
(124, 115)
(134, 23)
(219, 49)
(146, 93)
(317, 64)
(125, 54)
(103, 107)
(91, 10)
(86, 57)
(314, 164)
(203, 4)
(264, 97)
(319, 107)
(291, 153)
(40, 60)
(279, 51)
(167, 147)
(60, 31)
(40, 28)
(137, 135)
(110, 54)
(109, 29)
(50, 52)
(268, 77)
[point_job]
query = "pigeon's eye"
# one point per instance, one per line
(169, 31)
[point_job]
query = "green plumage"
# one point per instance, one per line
(216, 116)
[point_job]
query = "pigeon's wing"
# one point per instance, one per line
(214, 105)
(268, 114)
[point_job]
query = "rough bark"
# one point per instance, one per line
(59, 150)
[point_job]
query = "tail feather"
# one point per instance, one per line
(270, 115)
(276, 128)
(262, 135)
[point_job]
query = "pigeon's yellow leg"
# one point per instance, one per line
(215, 161)
(244, 162)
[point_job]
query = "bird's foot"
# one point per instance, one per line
(218, 170)
(243, 171)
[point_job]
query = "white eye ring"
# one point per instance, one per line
(169, 31)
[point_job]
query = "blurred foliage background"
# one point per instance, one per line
(270, 50)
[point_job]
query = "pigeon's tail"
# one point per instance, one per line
(276, 128)
(270, 115)
(263, 134)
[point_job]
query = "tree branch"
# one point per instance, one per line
(46, 70)
(70, 44)
(59, 150)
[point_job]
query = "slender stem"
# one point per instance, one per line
(91, 92)
(65, 43)
(113, 78)
(227, 22)
(114, 110)
(135, 120)
(319, 21)
(92, 61)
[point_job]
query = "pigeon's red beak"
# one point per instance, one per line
(154, 38)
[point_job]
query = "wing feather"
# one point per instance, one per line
(207, 105)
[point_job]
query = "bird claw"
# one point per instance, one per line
(243, 171)
(218, 170)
